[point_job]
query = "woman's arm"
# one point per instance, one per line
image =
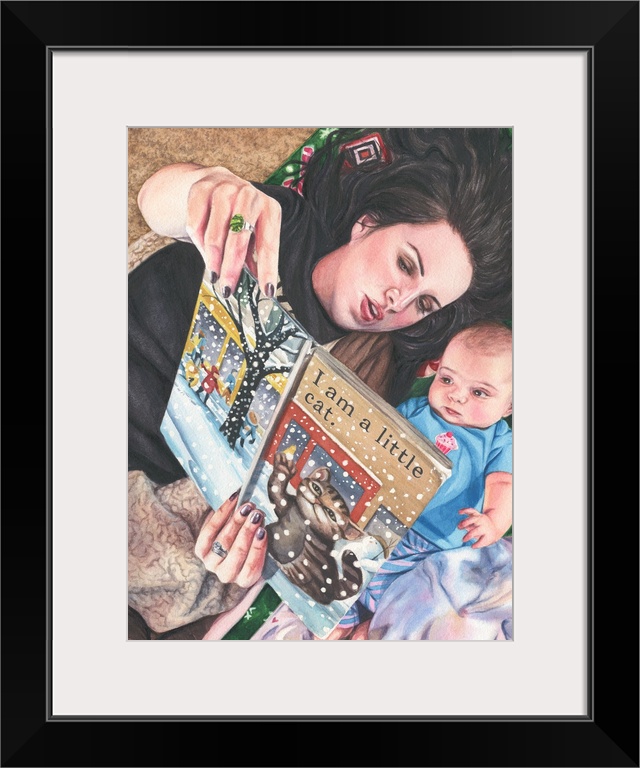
(195, 203)
(164, 196)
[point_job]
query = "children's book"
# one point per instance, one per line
(339, 474)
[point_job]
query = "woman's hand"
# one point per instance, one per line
(240, 534)
(195, 203)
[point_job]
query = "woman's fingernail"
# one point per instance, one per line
(214, 277)
(256, 518)
(245, 509)
(270, 290)
(226, 292)
(234, 495)
(260, 534)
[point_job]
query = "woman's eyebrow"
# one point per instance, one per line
(418, 257)
(434, 300)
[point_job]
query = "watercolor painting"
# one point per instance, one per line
(390, 251)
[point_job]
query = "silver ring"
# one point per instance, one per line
(238, 223)
(218, 549)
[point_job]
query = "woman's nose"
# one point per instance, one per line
(398, 300)
(393, 298)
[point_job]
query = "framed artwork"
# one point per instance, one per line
(565, 77)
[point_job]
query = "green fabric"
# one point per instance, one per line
(261, 608)
(291, 166)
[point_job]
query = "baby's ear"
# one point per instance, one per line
(508, 412)
(428, 368)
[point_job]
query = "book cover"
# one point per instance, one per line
(342, 477)
(236, 365)
(339, 474)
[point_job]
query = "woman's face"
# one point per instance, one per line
(389, 278)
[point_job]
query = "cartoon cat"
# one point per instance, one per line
(308, 539)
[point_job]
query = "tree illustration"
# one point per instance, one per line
(269, 335)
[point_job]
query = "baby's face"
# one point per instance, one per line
(472, 388)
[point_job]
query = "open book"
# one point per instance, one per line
(339, 474)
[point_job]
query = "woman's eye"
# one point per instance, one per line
(406, 265)
(424, 306)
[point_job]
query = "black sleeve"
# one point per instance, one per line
(290, 201)
(162, 295)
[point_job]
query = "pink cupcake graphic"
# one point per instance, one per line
(446, 442)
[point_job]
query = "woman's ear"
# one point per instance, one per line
(362, 226)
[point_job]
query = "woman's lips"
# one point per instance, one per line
(370, 310)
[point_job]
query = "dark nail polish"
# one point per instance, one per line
(214, 277)
(234, 495)
(256, 518)
(260, 534)
(244, 510)
(226, 292)
(270, 290)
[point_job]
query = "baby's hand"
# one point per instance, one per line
(480, 527)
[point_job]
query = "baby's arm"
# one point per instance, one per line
(496, 517)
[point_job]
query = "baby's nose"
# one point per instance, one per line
(458, 395)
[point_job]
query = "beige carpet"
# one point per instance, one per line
(252, 153)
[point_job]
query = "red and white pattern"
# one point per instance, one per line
(364, 150)
(297, 182)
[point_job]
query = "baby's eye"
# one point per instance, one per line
(479, 393)
(446, 380)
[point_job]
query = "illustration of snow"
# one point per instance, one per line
(367, 550)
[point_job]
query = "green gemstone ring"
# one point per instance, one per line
(238, 224)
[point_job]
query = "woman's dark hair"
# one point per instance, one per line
(458, 175)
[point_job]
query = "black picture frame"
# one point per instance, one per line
(608, 735)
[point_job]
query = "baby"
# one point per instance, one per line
(464, 416)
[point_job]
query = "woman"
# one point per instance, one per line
(404, 234)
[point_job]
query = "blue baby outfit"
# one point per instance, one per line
(479, 452)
